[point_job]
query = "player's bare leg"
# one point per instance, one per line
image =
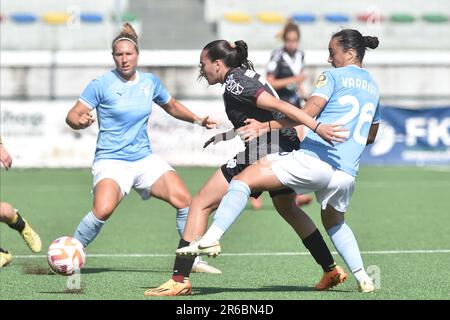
(303, 199)
(14, 220)
(107, 196)
(256, 203)
(205, 202)
(170, 188)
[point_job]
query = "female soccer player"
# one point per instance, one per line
(248, 96)
(13, 219)
(285, 69)
(347, 95)
(124, 159)
(285, 72)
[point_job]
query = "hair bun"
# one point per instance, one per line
(241, 44)
(371, 42)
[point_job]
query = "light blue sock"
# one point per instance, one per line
(88, 229)
(345, 243)
(182, 215)
(232, 204)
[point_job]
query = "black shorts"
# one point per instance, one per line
(233, 168)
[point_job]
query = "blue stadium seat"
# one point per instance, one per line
(337, 17)
(23, 17)
(91, 17)
(303, 17)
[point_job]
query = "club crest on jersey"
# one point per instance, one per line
(233, 86)
(321, 81)
(232, 163)
(146, 90)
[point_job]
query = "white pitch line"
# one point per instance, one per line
(244, 254)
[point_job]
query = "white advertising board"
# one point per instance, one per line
(36, 135)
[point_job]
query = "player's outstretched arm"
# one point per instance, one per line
(327, 132)
(179, 111)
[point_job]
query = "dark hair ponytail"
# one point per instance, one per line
(371, 42)
(233, 55)
(353, 39)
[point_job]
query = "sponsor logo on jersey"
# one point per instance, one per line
(232, 163)
(233, 86)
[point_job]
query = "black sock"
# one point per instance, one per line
(319, 250)
(19, 225)
(183, 264)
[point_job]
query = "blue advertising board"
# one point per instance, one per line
(416, 137)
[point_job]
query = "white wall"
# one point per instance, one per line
(27, 75)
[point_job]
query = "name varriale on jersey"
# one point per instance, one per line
(357, 83)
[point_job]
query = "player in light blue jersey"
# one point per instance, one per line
(347, 96)
(122, 99)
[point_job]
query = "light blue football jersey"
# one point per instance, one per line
(353, 101)
(123, 108)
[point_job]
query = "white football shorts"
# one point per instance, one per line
(304, 173)
(139, 175)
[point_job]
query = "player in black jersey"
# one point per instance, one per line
(285, 73)
(285, 70)
(248, 97)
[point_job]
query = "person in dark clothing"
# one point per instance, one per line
(248, 98)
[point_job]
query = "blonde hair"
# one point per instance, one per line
(127, 33)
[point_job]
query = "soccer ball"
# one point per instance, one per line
(66, 255)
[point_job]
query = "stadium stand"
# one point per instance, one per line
(56, 24)
(406, 28)
(188, 24)
(387, 18)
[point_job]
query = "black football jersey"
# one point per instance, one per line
(242, 88)
(282, 65)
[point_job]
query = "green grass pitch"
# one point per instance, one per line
(400, 216)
